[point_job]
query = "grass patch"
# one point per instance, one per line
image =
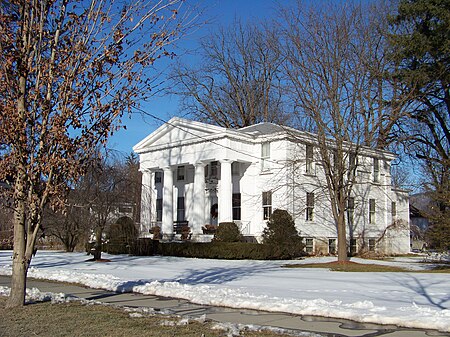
(77, 319)
(355, 267)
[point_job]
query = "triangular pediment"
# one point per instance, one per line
(175, 132)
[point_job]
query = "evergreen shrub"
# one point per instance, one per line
(281, 231)
(227, 232)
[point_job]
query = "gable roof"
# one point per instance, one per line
(179, 131)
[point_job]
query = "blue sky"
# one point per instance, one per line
(217, 12)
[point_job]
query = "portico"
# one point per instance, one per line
(196, 194)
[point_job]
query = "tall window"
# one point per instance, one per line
(235, 168)
(371, 210)
(180, 173)
(236, 206)
(158, 177)
(350, 210)
(180, 209)
(351, 161)
(309, 245)
(332, 246)
(265, 156)
(376, 170)
(159, 209)
(213, 169)
(353, 246)
(352, 164)
(309, 158)
(372, 243)
(394, 209)
(267, 204)
(309, 206)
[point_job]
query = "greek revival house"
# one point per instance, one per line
(197, 175)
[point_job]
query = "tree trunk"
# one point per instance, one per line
(98, 244)
(342, 238)
(20, 263)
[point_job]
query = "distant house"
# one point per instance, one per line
(196, 174)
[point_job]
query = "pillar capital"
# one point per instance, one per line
(200, 164)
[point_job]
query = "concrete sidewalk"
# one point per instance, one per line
(320, 325)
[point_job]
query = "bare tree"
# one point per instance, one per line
(336, 61)
(237, 82)
(69, 69)
(70, 226)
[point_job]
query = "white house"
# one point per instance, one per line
(196, 174)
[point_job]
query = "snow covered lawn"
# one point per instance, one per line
(419, 300)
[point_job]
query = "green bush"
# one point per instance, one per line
(210, 250)
(281, 231)
(225, 250)
(145, 247)
(227, 232)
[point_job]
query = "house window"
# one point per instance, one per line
(371, 210)
(376, 170)
(350, 210)
(372, 245)
(236, 206)
(213, 169)
(125, 209)
(309, 206)
(309, 158)
(158, 177)
(180, 209)
(353, 246)
(235, 168)
(332, 246)
(267, 204)
(180, 173)
(309, 245)
(351, 161)
(394, 209)
(265, 156)
(159, 209)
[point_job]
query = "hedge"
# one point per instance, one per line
(212, 250)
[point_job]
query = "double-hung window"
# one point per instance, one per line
(376, 170)
(267, 204)
(371, 210)
(158, 177)
(309, 245)
(372, 244)
(236, 206)
(332, 246)
(350, 210)
(309, 206)
(181, 170)
(180, 209)
(265, 156)
(159, 209)
(309, 158)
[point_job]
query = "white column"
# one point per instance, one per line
(145, 203)
(167, 217)
(198, 218)
(225, 192)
